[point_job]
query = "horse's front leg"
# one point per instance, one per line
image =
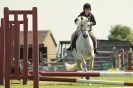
(90, 64)
(83, 65)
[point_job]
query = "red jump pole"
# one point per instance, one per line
(85, 74)
(70, 74)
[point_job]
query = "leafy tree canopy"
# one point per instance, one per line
(121, 32)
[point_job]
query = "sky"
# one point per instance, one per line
(58, 15)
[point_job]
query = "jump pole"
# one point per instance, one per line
(85, 74)
(105, 82)
(73, 80)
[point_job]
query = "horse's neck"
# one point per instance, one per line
(84, 45)
(84, 26)
(82, 39)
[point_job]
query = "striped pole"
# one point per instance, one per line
(105, 82)
(89, 73)
(55, 79)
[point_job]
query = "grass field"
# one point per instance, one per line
(73, 85)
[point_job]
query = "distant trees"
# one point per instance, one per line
(121, 32)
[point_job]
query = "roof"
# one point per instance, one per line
(41, 37)
(109, 44)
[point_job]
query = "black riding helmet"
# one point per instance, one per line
(87, 6)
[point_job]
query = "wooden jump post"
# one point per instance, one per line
(2, 51)
(8, 44)
(1, 63)
(14, 37)
(123, 59)
(130, 59)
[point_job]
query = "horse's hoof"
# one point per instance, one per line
(87, 78)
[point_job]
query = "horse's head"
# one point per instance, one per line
(82, 23)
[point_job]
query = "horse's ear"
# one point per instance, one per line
(81, 18)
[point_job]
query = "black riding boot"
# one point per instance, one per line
(95, 51)
(70, 48)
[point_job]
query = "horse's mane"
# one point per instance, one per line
(81, 20)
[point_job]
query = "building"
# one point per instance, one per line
(107, 45)
(46, 41)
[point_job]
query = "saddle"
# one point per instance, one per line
(75, 39)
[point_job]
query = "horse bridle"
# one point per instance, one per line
(85, 29)
(85, 36)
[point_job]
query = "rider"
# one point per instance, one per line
(91, 22)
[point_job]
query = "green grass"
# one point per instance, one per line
(73, 85)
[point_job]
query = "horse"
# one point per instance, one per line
(84, 49)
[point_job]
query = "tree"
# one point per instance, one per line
(121, 32)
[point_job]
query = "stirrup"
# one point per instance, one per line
(69, 49)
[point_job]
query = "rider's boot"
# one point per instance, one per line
(95, 51)
(70, 48)
(72, 39)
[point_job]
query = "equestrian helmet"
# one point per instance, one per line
(87, 6)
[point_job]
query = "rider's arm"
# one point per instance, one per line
(75, 20)
(92, 20)
(81, 14)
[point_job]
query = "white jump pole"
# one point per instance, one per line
(106, 82)
(116, 74)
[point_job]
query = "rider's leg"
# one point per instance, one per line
(72, 37)
(94, 41)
